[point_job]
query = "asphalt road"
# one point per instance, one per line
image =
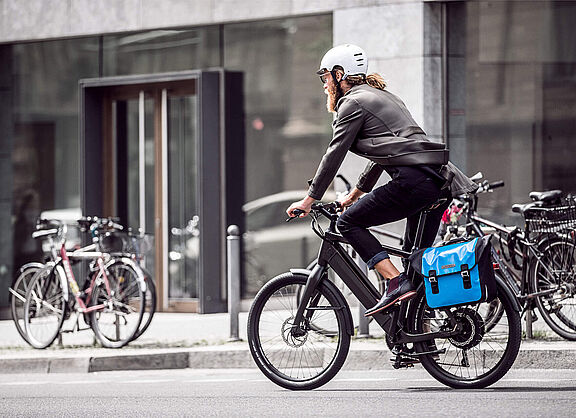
(247, 393)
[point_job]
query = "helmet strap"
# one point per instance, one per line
(338, 87)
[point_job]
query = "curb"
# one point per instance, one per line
(358, 359)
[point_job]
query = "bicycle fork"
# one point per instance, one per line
(312, 283)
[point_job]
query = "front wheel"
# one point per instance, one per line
(18, 295)
(44, 307)
(299, 358)
(484, 349)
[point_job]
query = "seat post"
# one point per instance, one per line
(420, 229)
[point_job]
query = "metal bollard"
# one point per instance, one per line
(233, 273)
(363, 322)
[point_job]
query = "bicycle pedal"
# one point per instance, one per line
(404, 362)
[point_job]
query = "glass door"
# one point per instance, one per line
(152, 181)
(183, 219)
(154, 145)
(132, 174)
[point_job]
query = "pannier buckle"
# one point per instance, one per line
(465, 273)
(433, 281)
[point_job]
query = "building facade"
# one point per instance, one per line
(182, 117)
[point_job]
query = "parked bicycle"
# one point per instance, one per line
(112, 300)
(545, 276)
(300, 325)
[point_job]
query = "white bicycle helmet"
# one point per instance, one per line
(351, 58)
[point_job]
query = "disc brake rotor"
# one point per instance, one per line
(289, 337)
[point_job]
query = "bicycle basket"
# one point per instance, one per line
(111, 242)
(552, 219)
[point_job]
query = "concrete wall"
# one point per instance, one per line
(40, 19)
(403, 43)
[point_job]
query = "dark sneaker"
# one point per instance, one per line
(404, 291)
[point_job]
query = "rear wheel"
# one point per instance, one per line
(45, 308)
(479, 355)
(118, 301)
(555, 275)
(299, 358)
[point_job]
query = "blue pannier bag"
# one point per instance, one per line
(456, 274)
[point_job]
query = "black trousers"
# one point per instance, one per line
(409, 191)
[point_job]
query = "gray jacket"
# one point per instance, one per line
(376, 124)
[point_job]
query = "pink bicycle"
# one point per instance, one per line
(111, 302)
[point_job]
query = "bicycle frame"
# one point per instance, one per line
(69, 274)
(529, 250)
(332, 254)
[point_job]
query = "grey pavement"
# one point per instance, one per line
(183, 340)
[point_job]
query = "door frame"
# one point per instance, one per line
(220, 177)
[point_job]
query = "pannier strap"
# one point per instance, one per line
(465, 273)
(433, 281)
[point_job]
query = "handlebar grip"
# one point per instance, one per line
(296, 213)
(496, 185)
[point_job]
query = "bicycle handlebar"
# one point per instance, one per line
(486, 187)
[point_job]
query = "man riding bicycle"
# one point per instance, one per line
(375, 124)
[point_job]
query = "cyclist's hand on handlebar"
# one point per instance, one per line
(300, 209)
(351, 198)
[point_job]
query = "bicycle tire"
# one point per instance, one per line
(126, 299)
(476, 358)
(558, 308)
(315, 357)
(18, 295)
(150, 306)
(45, 308)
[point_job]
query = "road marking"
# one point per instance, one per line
(147, 381)
(24, 383)
(82, 382)
(365, 379)
(538, 380)
(219, 380)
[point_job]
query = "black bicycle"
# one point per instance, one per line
(545, 275)
(300, 325)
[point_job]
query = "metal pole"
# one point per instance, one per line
(233, 251)
(363, 322)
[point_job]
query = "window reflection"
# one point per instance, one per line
(45, 132)
(512, 96)
(287, 131)
(161, 51)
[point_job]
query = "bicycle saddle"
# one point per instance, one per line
(547, 197)
(522, 208)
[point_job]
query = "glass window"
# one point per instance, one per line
(45, 132)
(287, 132)
(161, 51)
(512, 96)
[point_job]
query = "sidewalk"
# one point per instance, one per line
(176, 341)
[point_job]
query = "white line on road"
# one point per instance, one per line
(147, 381)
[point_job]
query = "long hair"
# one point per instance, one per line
(373, 80)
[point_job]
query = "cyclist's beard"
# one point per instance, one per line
(333, 95)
